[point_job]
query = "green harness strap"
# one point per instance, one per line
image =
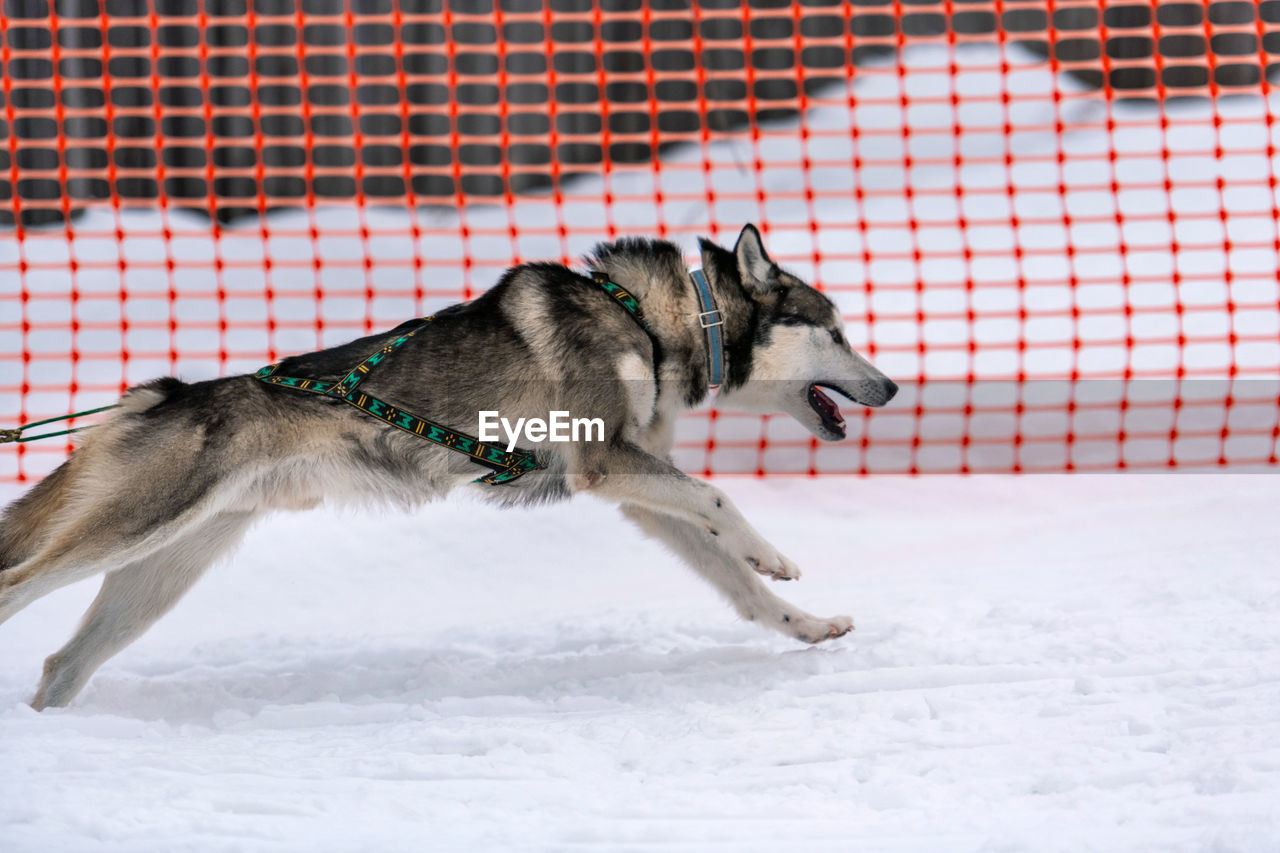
(506, 466)
(624, 298)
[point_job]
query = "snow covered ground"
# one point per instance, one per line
(1041, 663)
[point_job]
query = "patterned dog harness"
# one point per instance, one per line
(507, 466)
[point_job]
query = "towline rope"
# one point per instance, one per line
(15, 435)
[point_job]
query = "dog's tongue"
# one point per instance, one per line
(826, 408)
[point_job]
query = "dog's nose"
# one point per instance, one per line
(890, 388)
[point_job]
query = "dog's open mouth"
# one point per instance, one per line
(827, 410)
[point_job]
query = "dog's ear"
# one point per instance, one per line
(748, 265)
(754, 264)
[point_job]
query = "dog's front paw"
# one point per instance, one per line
(811, 629)
(775, 566)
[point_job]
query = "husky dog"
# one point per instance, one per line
(173, 478)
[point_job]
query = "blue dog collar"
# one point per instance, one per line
(710, 319)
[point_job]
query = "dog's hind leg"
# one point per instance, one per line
(26, 521)
(106, 532)
(137, 482)
(131, 600)
(734, 579)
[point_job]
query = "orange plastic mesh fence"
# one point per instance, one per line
(1055, 222)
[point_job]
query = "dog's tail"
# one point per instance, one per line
(142, 397)
(25, 523)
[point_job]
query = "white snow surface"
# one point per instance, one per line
(1041, 663)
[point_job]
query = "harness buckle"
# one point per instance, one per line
(707, 324)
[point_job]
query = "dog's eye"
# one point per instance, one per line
(836, 336)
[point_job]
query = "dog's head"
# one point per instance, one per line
(794, 349)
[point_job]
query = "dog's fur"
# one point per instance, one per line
(172, 479)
